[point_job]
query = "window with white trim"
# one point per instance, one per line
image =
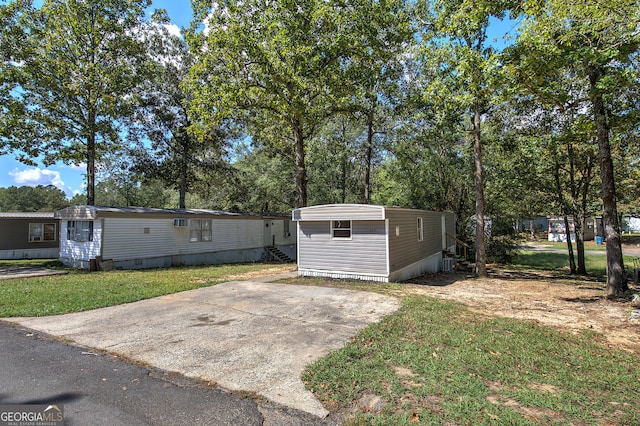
(80, 231)
(341, 229)
(200, 230)
(420, 229)
(41, 232)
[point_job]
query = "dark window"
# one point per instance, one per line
(80, 230)
(341, 228)
(40, 232)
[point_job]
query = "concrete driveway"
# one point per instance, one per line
(243, 335)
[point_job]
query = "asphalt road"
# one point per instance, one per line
(100, 389)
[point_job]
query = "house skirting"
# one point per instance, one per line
(41, 253)
(257, 254)
(342, 275)
(431, 264)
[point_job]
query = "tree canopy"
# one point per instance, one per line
(72, 67)
(266, 106)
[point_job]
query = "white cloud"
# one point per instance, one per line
(36, 176)
(79, 166)
(173, 29)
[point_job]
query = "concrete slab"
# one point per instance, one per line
(27, 272)
(243, 335)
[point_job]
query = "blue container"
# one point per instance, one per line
(599, 241)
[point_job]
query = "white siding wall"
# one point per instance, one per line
(80, 251)
(278, 230)
(125, 237)
(365, 253)
(340, 212)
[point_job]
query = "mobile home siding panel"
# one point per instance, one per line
(340, 212)
(125, 237)
(81, 251)
(405, 249)
(450, 219)
(365, 251)
(15, 234)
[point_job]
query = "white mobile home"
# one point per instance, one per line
(558, 230)
(371, 242)
(136, 238)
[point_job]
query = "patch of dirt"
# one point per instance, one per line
(551, 299)
(278, 269)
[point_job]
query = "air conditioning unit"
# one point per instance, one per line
(180, 222)
(448, 264)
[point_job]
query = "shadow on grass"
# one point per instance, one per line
(437, 280)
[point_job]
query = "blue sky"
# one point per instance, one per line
(71, 178)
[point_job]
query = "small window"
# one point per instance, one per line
(80, 230)
(341, 228)
(420, 230)
(180, 222)
(287, 230)
(41, 232)
(200, 230)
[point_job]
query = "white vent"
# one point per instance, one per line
(180, 222)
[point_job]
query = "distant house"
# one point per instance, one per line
(558, 230)
(539, 224)
(370, 242)
(631, 223)
(136, 238)
(28, 235)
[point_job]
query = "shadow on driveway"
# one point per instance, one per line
(243, 335)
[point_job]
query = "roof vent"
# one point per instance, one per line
(180, 222)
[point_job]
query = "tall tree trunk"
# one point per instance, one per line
(582, 213)
(367, 159)
(301, 171)
(183, 142)
(563, 205)
(579, 221)
(616, 280)
(572, 259)
(183, 184)
(532, 229)
(344, 163)
(91, 169)
(481, 252)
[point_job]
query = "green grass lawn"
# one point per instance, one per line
(432, 362)
(82, 290)
(596, 264)
(589, 245)
(435, 362)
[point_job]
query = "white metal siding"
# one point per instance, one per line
(364, 253)
(340, 212)
(278, 231)
(80, 251)
(125, 237)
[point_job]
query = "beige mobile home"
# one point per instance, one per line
(371, 242)
(32, 235)
(136, 238)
